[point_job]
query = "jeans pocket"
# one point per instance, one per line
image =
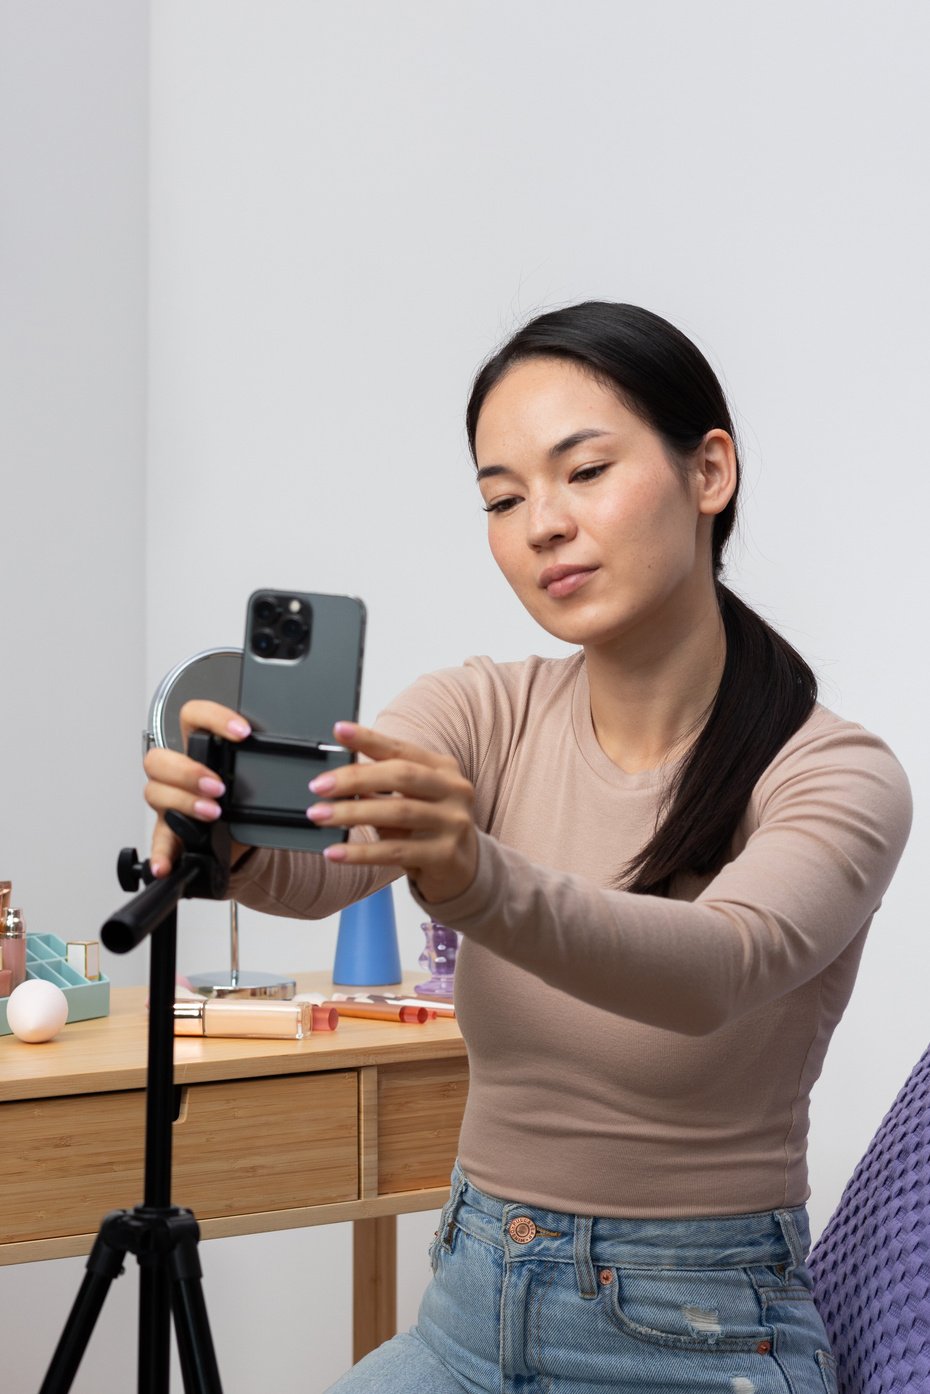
(828, 1371)
(690, 1308)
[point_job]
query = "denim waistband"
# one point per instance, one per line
(525, 1231)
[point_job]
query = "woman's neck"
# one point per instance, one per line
(650, 697)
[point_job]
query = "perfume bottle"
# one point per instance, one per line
(438, 958)
(13, 946)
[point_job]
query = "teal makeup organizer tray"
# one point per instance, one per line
(46, 958)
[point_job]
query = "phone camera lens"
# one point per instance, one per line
(264, 643)
(294, 629)
(266, 611)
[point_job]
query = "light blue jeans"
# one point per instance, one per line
(531, 1300)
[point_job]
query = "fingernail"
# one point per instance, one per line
(323, 783)
(205, 808)
(345, 728)
(210, 785)
(320, 812)
(158, 868)
(237, 727)
(336, 853)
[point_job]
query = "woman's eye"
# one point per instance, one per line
(500, 506)
(589, 472)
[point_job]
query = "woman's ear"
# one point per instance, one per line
(715, 471)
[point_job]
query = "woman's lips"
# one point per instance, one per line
(568, 584)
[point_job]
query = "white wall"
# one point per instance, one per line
(349, 206)
(73, 339)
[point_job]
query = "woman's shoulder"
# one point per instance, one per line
(830, 756)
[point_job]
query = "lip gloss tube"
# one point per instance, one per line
(271, 1020)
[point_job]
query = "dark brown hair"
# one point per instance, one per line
(767, 691)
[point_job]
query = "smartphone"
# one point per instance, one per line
(301, 673)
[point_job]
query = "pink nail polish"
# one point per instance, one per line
(210, 785)
(320, 812)
(237, 727)
(345, 728)
(206, 809)
(323, 783)
(336, 853)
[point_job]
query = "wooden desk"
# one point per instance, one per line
(359, 1124)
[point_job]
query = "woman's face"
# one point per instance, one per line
(574, 480)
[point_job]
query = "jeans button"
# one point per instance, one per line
(522, 1229)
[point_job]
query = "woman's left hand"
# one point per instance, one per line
(418, 802)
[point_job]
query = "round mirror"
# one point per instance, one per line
(212, 675)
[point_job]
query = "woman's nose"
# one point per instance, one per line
(548, 520)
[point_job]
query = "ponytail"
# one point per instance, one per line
(766, 693)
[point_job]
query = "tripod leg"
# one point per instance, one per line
(192, 1328)
(104, 1264)
(154, 1325)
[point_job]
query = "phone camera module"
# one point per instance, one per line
(280, 627)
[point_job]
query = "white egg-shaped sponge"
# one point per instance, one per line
(37, 1010)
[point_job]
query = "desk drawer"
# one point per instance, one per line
(240, 1147)
(420, 1109)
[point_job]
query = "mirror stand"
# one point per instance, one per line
(233, 982)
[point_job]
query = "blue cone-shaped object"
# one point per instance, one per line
(367, 952)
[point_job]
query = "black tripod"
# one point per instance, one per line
(162, 1236)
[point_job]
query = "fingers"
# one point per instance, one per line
(171, 768)
(443, 867)
(165, 848)
(177, 782)
(381, 747)
(201, 715)
(163, 797)
(394, 813)
(403, 775)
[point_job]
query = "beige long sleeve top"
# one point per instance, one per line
(634, 1055)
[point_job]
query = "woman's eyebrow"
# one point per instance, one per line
(561, 447)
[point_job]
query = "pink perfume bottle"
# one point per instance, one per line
(13, 947)
(438, 958)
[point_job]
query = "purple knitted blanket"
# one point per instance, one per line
(871, 1265)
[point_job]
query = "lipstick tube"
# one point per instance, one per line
(414, 1015)
(433, 1006)
(270, 1020)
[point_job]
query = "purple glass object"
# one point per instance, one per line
(871, 1265)
(438, 958)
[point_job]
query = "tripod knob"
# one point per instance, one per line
(130, 872)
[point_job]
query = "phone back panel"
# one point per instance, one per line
(296, 698)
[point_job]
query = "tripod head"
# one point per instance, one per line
(201, 872)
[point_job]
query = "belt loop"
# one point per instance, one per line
(792, 1238)
(450, 1209)
(584, 1268)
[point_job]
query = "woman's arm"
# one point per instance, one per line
(833, 822)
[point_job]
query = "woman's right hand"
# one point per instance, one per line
(176, 781)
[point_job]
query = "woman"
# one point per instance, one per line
(663, 856)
